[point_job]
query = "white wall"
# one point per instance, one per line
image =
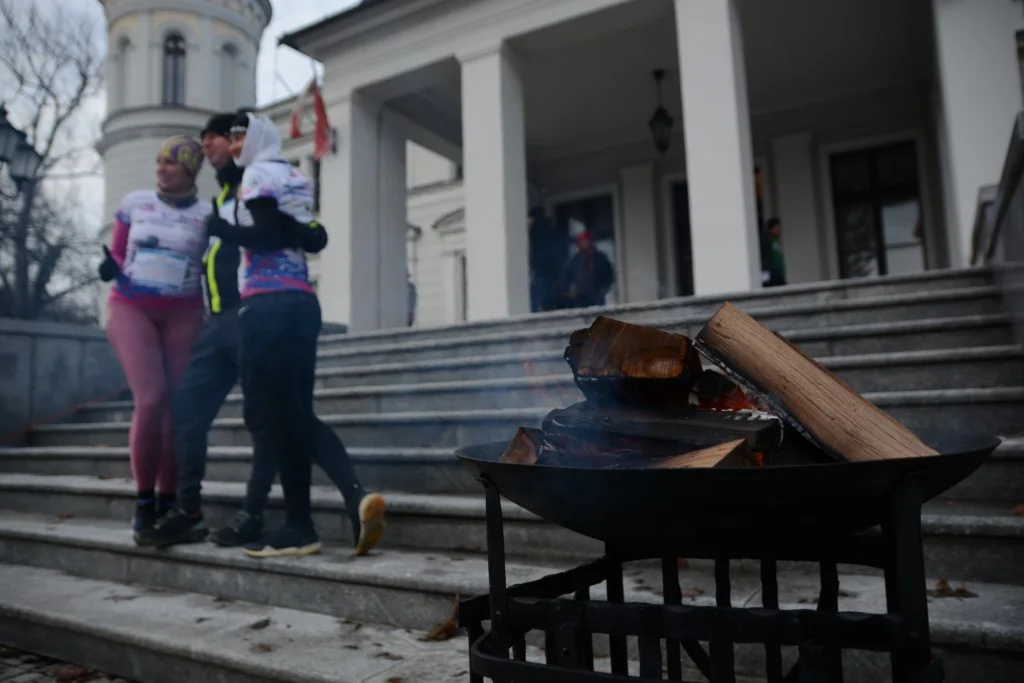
(432, 256)
(424, 167)
(981, 94)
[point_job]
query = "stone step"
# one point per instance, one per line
(404, 588)
(942, 332)
(428, 470)
(156, 635)
(973, 541)
(943, 369)
(420, 470)
(550, 362)
(794, 295)
(995, 410)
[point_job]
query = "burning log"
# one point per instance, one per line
(812, 400)
(524, 447)
(664, 432)
(624, 364)
(735, 453)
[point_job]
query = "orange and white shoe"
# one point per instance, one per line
(371, 522)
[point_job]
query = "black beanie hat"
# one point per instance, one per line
(219, 124)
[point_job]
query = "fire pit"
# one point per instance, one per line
(719, 514)
(803, 504)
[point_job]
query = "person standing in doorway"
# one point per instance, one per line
(548, 250)
(214, 369)
(156, 312)
(586, 277)
(773, 260)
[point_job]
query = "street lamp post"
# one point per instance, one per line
(23, 163)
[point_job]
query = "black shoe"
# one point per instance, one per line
(177, 526)
(244, 528)
(143, 520)
(286, 541)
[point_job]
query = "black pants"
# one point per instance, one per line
(212, 371)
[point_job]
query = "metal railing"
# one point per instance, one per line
(998, 237)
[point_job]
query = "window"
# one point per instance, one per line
(228, 76)
(461, 287)
(877, 206)
(174, 70)
(119, 95)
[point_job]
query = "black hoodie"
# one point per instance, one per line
(222, 260)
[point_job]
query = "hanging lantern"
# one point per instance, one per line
(661, 121)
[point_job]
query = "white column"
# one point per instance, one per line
(640, 234)
(793, 175)
(719, 157)
(392, 212)
(981, 94)
(494, 154)
(363, 269)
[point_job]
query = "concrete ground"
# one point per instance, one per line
(17, 666)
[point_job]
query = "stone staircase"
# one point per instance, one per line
(934, 350)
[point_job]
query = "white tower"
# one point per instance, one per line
(171, 64)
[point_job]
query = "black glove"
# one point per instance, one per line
(109, 270)
(314, 238)
(215, 225)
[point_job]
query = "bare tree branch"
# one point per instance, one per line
(50, 68)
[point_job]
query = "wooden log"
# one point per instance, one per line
(736, 453)
(798, 389)
(524, 447)
(618, 363)
(662, 432)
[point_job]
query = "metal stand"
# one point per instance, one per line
(569, 625)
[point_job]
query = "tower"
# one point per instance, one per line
(171, 64)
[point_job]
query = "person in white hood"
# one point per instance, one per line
(279, 322)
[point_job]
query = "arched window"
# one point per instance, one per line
(228, 76)
(119, 88)
(174, 70)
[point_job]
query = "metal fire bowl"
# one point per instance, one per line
(747, 512)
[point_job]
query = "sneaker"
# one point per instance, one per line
(286, 541)
(143, 520)
(177, 526)
(243, 528)
(371, 523)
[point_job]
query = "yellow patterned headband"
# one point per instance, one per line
(185, 150)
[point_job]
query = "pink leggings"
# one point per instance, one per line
(153, 346)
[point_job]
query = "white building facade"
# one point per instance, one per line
(866, 126)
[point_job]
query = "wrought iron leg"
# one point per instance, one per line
(828, 601)
(905, 589)
(496, 568)
(586, 639)
(770, 600)
(722, 666)
(616, 593)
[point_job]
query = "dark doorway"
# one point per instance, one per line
(876, 200)
(684, 248)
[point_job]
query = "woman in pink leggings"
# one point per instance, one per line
(156, 311)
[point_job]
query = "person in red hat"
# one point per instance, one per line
(586, 277)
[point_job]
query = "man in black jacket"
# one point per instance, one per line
(213, 371)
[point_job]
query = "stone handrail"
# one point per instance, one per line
(998, 237)
(47, 368)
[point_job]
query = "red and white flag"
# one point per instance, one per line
(321, 127)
